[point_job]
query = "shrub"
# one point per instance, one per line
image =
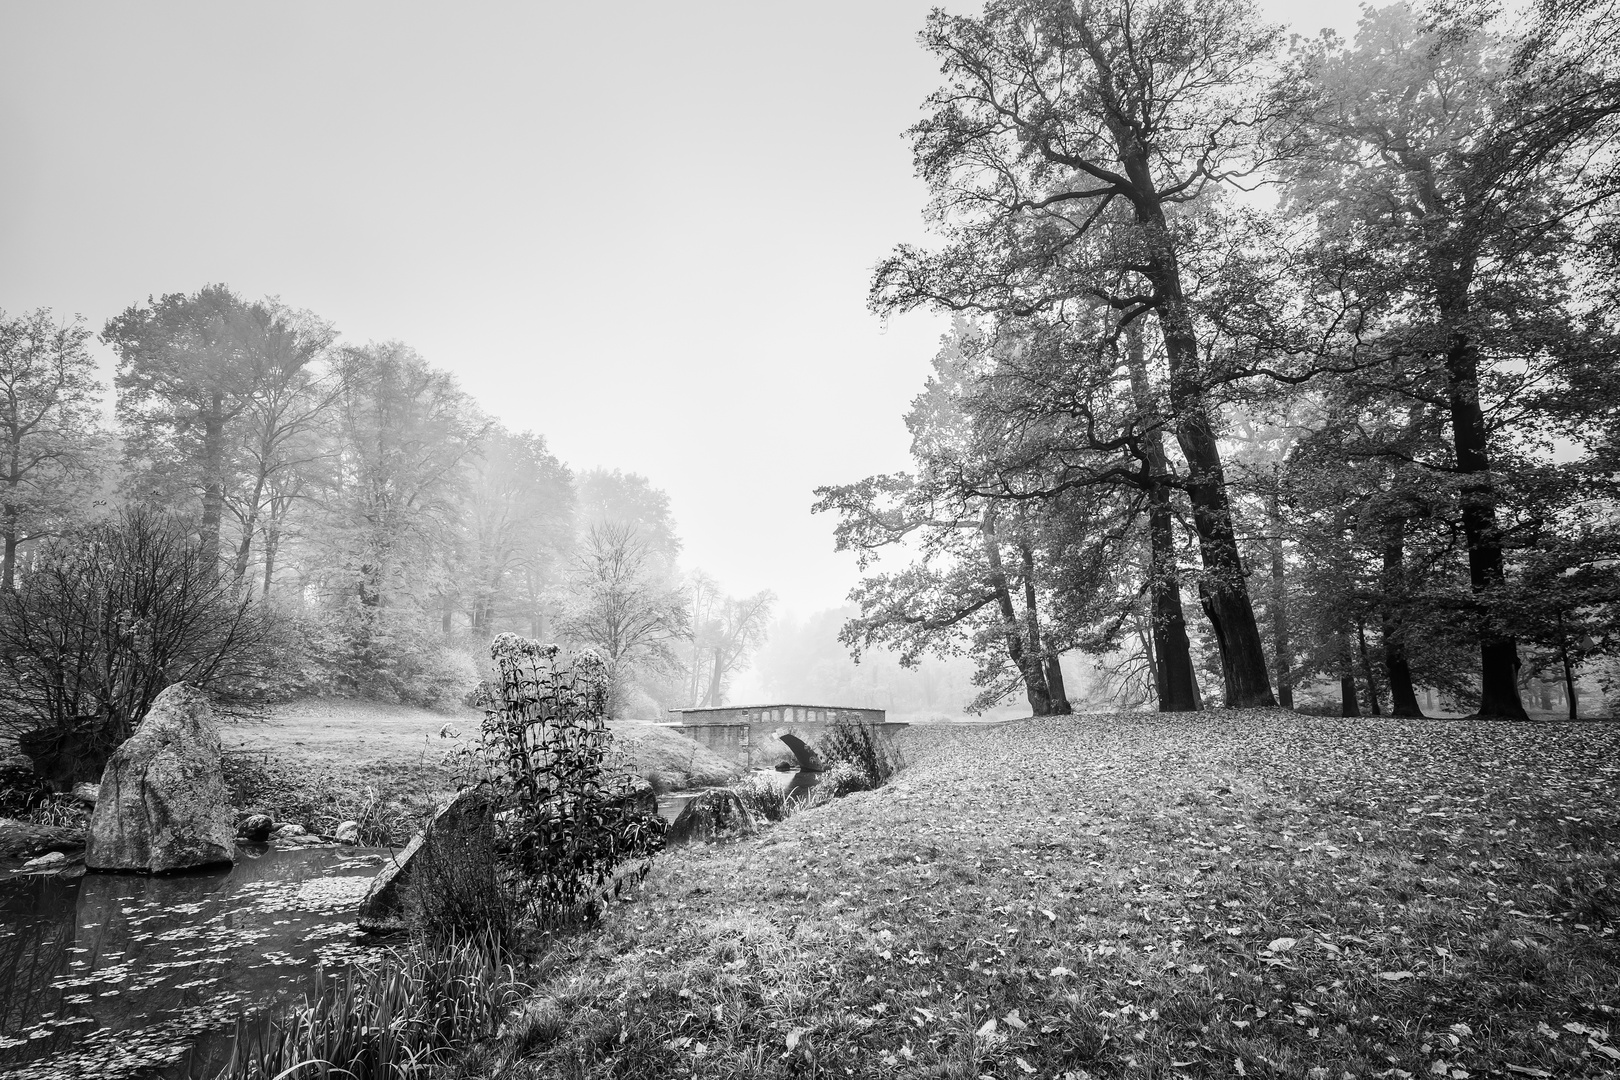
(385, 654)
(108, 616)
(765, 798)
(864, 747)
(568, 815)
(842, 779)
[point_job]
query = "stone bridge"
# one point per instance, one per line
(760, 736)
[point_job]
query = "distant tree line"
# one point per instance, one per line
(298, 514)
(1314, 338)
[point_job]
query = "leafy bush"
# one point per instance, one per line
(412, 1010)
(870, 753)
(568, 815)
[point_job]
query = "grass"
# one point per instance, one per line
(319, 762)
(1234, 894)
(402, 1015)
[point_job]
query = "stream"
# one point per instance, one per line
(109, 976)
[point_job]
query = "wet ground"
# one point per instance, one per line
(119, 975)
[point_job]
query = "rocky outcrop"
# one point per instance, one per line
(87, 794)
(163, 804)
(451, 860)
(347, 832)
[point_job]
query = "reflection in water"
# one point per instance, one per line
(107, 975)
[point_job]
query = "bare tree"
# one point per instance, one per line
(622, 607)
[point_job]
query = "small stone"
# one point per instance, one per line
(87, 793)
(347, 832)
(255, 827)
(46, 861)
(288, 830)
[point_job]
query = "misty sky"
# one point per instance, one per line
(642, 229)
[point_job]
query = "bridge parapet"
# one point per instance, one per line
(755, 736)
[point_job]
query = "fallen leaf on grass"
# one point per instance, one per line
(1015, 1022)
(1282, 944)
(986, 1029)
(1024, 1065)
(1525, 1070)
(1394, 976)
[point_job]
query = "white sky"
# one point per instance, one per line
(642, 229)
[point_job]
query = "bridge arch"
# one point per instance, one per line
(803, 752)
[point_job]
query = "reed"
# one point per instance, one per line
(412, 1009)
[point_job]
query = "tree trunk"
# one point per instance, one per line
(1569, 669)
(1347, 695)
(1402, 694)
(714, 680)
(1281, 647)
(272, 539)
(1049, 664)
(213, 508)
(1226, 597)
(1054, 686)
(1174, 674)
(1027, 663)
(1498, 651)
(1373, 705)
(8, 576)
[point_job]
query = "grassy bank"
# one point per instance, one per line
(318, 762)
(1249, 894)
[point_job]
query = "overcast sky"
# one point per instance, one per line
(641, 229)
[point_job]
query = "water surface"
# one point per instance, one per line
(118, 975)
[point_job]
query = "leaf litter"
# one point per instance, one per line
(1243, 892)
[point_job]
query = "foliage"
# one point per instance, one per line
(410, 1011)
(49, 434)
(567, 814)
(108, 616)
(385, 654)
(765, 798)
(871, 754)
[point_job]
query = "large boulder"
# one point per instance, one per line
(450, 863)
(163, 804)
(714, 813)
